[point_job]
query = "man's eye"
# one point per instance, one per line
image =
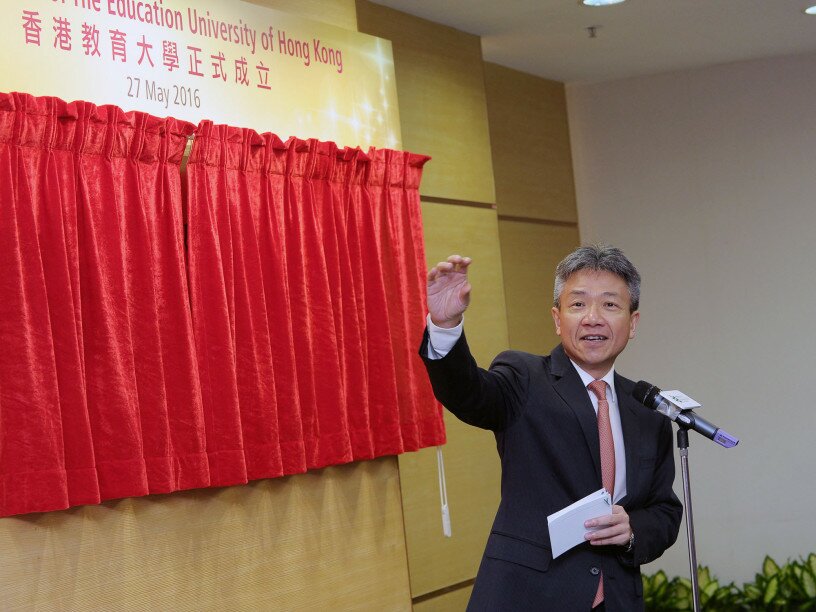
(577, 304)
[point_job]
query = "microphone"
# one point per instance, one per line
(650, 396)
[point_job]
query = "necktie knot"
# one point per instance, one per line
(598, 387)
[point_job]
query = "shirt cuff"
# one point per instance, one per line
(442, 339)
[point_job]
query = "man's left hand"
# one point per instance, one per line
(611, 529)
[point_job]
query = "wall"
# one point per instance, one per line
(538, 221)
(273, 544)
(440, 88)
(705, 178)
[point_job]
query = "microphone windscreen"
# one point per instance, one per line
(642, 392)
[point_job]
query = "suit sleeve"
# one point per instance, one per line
(490, 399)
(657, 521)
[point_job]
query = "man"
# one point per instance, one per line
(565, 425)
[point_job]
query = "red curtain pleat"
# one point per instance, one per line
(398, 220)
(99, 394)
(276, 335)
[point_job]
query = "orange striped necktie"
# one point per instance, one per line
(607, 447)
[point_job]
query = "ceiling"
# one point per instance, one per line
(549, 38)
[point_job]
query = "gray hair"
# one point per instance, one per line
(598, 257)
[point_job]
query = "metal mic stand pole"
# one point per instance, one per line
(682, 445)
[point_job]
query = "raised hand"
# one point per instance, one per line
(448, 291)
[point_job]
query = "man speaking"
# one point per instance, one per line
(565, 425)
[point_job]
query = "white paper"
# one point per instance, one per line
(567, 525)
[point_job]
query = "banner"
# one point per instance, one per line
(224, 60)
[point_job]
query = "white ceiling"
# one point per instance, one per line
(549, 38)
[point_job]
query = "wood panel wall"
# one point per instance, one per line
(538, 219)
(440, 88)
(471, 461)
(330, 539)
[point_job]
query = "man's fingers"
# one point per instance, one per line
(455, 263)
(609, 532)
(602, 521)
(618, 516)
(612, 535)
(458, 262)
(609, 529)
(618, 540)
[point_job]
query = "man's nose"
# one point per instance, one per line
(592, 315)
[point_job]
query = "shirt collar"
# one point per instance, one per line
(608, 378)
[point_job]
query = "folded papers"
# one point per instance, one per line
(567, 525)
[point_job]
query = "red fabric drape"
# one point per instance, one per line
(280, 338)
(99, 396)
(307, 285)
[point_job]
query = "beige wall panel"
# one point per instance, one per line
(326, 540)
(529, 136)
(530, 252)
(341, 13)
(471, 460)
(455, 601)
(705, 179)
(440, 88)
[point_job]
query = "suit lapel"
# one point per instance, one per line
(628, 407)
(569, 386)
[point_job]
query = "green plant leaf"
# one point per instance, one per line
(809, 583)
(682, 588)
(703, 577)
(769, 567)
(659, 578)
(771, 589)
(789, 587)
(752, 592)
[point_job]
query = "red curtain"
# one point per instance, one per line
(307, 286)
(99, 395)
(293, 347)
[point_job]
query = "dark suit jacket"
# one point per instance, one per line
(547, 437)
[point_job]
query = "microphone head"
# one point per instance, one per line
(646, 393)
(725, 439)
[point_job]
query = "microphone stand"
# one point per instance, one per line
(682, 445)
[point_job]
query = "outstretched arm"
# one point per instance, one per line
(487, 399)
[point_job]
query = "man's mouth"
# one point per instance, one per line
(594, 338)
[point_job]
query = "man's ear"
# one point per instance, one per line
(556, 315)
(633, 323)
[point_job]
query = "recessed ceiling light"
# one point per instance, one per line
(601, 2)
(811, 10)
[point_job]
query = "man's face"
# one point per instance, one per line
(593, 320)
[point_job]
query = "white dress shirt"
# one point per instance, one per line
(441, 341)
